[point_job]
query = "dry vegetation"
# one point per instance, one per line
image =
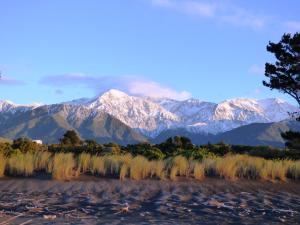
(65, 166)
(2, 165)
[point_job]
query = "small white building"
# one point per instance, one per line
(38, 141)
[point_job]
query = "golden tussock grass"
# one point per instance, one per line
(157, 168)
(242, 166)
(97, 166)
(112, 164)
(41, 160)
(179, 166)
(84, 162)
(21, 165)
(293, 170)
(173, 173)
(124, 172)
(198, 171)
(2, 164)
(62, 166)
(139, 168)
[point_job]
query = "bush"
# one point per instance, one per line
(5, 149)
(26, 145)
(198, 153)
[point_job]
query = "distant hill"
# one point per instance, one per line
(254, 134)
(259, 134)
(49, 124)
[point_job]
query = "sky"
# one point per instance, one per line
(58, 50)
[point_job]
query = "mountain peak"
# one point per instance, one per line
(114, 93)
(6, 102)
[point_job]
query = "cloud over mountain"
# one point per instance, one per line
(130, 84)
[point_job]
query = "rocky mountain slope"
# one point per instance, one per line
(117, 116)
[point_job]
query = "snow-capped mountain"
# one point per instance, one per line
(138, 113)
(7, 106)
(152, 116)
(199, 116)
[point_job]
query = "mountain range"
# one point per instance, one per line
(115, 116)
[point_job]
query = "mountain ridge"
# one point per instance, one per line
(150, 117)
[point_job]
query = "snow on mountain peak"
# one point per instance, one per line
(9, 106)
(151, 116)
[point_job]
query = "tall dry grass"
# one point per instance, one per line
(293, 170)
(21, 165)
(97, 166)
(2, 164)
(157, 169)
(124, 172)
(41, 160)
(139, 168)
(62, 166)
(179, 165)
(198, 171)
(84, 162)
(242, 166)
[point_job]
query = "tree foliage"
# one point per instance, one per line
(284, 74)
(71, 138)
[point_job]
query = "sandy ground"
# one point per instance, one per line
(101, 201)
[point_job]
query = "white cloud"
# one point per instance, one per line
(292, 26)
(257, 70)
(198, 8)
(217, 10)
(130, 84)
(156, 90)
(4, 80)
(241, 17)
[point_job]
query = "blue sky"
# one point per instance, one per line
(58, 50)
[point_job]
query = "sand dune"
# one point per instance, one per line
(100, 201)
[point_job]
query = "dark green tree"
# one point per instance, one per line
(71, 138)
(284, 75)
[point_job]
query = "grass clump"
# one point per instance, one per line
(139, 168)
(293, 170)
(62, 166)
(199, 171)
(21, 165)
(274, 170)
(157, 168)
(112, 164)
(179, 166)
(41, 160)
(97, 166)
(84, 162)
(2, 165)
(124, 172)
